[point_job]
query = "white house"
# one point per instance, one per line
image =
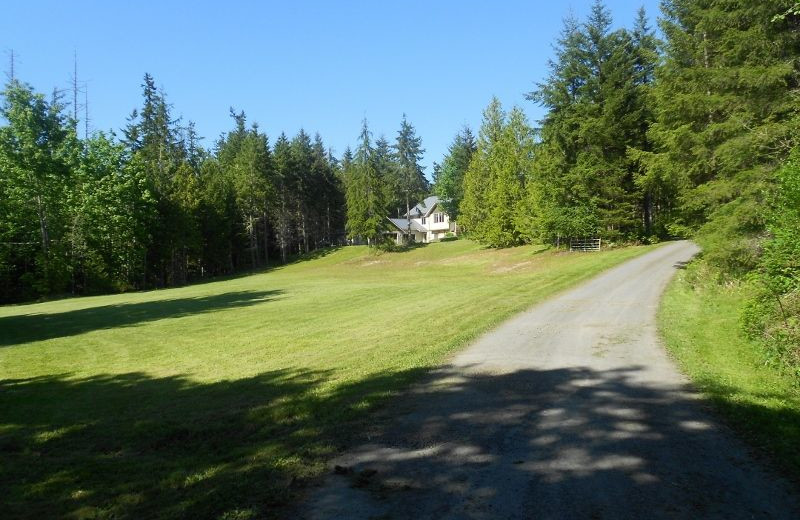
(428, 222)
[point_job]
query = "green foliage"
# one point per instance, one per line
(494, 208)
(114, 211)
(155, 209)
(408, 147)
(474, 207)
(583, 176)
(597, 96)
(449, 182)
(365, 192)
(386, 163)
(726, 117)
(38, 154)
(510, 169)
(773, 313)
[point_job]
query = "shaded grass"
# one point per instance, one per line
(222, 399)
(699, 320)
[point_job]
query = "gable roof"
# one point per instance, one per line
(402, 225)
(424, 208)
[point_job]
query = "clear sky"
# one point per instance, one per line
(322, 66)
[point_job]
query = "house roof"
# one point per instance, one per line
(402, 225)
(424, 208)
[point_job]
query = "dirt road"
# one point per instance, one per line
(569, 410)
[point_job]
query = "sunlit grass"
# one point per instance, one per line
(221, 398)
(699, 321)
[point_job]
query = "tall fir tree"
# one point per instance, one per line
(474, 207)
(282, 214)
(386, 163)
(597, 99)
(413, 184)
(449, 181)
(510, 166)
(365, 191)
(726, 117)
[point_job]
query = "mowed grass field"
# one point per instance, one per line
(699, 321)
(222, 399)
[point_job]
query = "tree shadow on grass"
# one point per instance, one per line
(134, 446)
(313, 255)
(27, 328)
(391, 247)
(570, 442)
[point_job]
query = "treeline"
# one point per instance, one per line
(575, 175)
(645, 140)
(642, 139)
(726, 123)
(154, 208)
(382, 179)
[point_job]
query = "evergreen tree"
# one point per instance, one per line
(282, 214)
(413, 184)
(328, 198)
(726, 117)
(153, 139)
(366, 207)
(347, 160)
(656, 194)
(449, 181)
(111, 219)
(252, 172)
(597, 96)
(387, 165)
(474, 207)
(155, 208)
(302, 186)
(510, 166)
(219, 219)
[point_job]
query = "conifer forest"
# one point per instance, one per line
(688, 131)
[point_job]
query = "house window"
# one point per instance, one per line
(438, 218)
(423, 221)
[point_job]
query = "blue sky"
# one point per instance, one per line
(322, 66)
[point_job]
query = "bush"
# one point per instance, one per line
(732, 240)
(773, 313)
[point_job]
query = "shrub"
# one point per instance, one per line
(773, 313)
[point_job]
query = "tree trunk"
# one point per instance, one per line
(252, 229)
(303, 230)
(283, 231)
(266, 239)
(45, 233)
(328, 224)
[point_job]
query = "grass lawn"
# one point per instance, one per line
(221, 399)
(699, 322)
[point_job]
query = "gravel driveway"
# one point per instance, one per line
(571, 409)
